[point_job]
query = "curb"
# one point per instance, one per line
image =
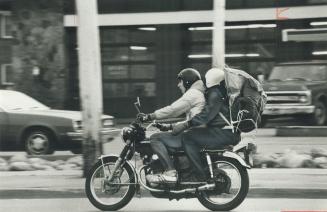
(45, 157)
(301, 131)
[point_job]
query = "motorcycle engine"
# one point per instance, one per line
(155, 165)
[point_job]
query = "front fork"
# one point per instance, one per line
(117, 170)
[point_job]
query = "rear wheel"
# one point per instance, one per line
(114, 195)
(232, 186)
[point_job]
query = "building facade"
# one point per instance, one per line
(144, 44)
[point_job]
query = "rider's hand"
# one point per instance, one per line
(144, 117)
(180, 127)
(164, 127)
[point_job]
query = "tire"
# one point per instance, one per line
(39, 142)
(90, 190)
(319, 115)
(240, 194)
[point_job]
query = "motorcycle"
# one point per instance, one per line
(113, 181)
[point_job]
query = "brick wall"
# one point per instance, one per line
(38, 47)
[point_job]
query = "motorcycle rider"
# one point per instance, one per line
(191, 102)
(216, 133)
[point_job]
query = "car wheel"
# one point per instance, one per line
(39, 142)
(319, 115)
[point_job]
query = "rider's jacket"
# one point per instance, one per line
(217, 101)
(191, 103)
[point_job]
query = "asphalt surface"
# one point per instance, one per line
(264, 183)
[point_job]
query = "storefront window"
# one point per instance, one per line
(114, 89)
(142, 71)
(147, 89)
(111, 54)
(128, 61)
(115, 72)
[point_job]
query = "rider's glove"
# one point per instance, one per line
(180, 127)
(164, 127)
(145, 117)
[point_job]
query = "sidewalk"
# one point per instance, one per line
(274, 183)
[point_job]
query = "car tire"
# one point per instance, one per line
(319, 115)
(39, 142)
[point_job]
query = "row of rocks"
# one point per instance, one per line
(23, 163)
(314, 158)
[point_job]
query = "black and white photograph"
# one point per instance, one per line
(163, 105)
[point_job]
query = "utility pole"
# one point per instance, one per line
(90, 82)
(218, 34)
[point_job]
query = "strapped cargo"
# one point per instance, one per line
(247, 100)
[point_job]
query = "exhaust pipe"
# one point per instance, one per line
(188, 190)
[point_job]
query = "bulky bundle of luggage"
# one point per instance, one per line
(247, 99)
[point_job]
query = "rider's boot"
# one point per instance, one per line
(169, 176)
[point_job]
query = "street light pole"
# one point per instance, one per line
(90, 81)
(218, 34)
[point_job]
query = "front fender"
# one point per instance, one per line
(235, 156)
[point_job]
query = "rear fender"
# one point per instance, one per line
(235, 156)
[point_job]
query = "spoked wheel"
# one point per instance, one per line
(113, 195)
(232, 185)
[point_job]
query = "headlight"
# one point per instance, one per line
(77, 125)
(126, 133)
(106, 123)
(303, 99)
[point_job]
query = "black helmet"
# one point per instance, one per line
(188, 76)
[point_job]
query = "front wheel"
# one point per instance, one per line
(113, 195)
(232, 186)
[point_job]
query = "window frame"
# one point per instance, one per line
(4, 74)
(4, 17)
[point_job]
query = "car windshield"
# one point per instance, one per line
(299, 72)
(12, 100)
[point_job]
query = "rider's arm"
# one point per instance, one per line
(177, 108)
(211, 109)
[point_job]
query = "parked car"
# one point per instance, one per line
(299, 90)
(28, 124)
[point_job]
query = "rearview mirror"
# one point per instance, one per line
(137, 104)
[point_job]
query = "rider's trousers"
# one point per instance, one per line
(196, 139)
(161, 142)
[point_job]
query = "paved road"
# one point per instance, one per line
(264, 183)
(152, 204)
